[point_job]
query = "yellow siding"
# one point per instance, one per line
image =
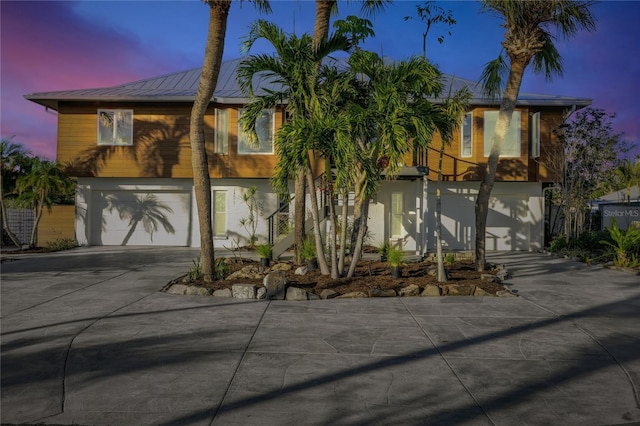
(57, 224)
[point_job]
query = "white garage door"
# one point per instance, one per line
(140, 218)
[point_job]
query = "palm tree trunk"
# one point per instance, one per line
(322, 260)
(357, 251)
(442, 275)
(323, 19)
(343, 231)
(39, 209)
(516, 71)
(218, 14)
(300, 214)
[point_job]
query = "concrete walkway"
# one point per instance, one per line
(87, 339)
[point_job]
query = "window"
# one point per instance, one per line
(534, 127)
(466, 138)
(115, 127)
(219, 214)
(264, 129)
(511, 147)
(221, 135)
(396, 214)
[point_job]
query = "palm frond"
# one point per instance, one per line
(494, 77)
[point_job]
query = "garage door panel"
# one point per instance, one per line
(140, 218)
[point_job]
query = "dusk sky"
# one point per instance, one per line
(64, 45)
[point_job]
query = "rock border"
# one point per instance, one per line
(275, 288)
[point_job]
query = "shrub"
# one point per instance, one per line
(308, 249)
(396, 256)
(264, 251)
(61, 244)
(557, 244)
(220, 269)
(625, 244)
(195, 273)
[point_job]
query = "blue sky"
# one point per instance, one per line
(53, 45)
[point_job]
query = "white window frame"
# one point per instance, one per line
(396, 215)
(534, 137)
(120, 130)
(244, 148)
(466, 132)
(221, 131)
(218, 215)
(511, 147)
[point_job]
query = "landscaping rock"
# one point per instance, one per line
(225, 292)
(248, 272)
(491, 278)
(329, 294)
(432, 291)
(505, 293)
(459, 290)
(353, 295)
(197, 291)
(177, 289)
(244, 291)
(382, 293)
(295, 293)
(261, 293)
(276, 285)
(503, 275)
(302, 270)
(480, 292)
(281, 267)
(411, 290)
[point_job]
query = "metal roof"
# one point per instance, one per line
(182, 86)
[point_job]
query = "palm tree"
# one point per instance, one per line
(324, 10)
(13, 159)
(393, 117)
(528, 37)
(38, 189)
(294, 67)
(628, 175)
(218, 14)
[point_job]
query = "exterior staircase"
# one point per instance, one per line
(279, 224)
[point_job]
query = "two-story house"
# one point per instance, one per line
(128, 148)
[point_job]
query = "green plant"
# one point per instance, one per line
(195, 273)
(395, 256)
(383, 248)
(264, 251)
(250, 223)
(624, 243)
(558, 243)
(450, 258)
(308, 249)
(220, 269)
(61, 244)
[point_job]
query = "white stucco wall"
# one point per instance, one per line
(515, 221)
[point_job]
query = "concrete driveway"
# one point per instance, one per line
(88, 339)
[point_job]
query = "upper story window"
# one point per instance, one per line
(115, 127)
(534, 137)
(265, 130)
(221, 135)
(466, 136)
(511, 146)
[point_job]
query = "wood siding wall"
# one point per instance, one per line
(161, 146)
(57, 223)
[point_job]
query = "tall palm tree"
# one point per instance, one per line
(324, 10)
(40, 187)
(528, 37)
(628, 175)
(218, 14)
(393, 117)
(13, 159)
(294, 67)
